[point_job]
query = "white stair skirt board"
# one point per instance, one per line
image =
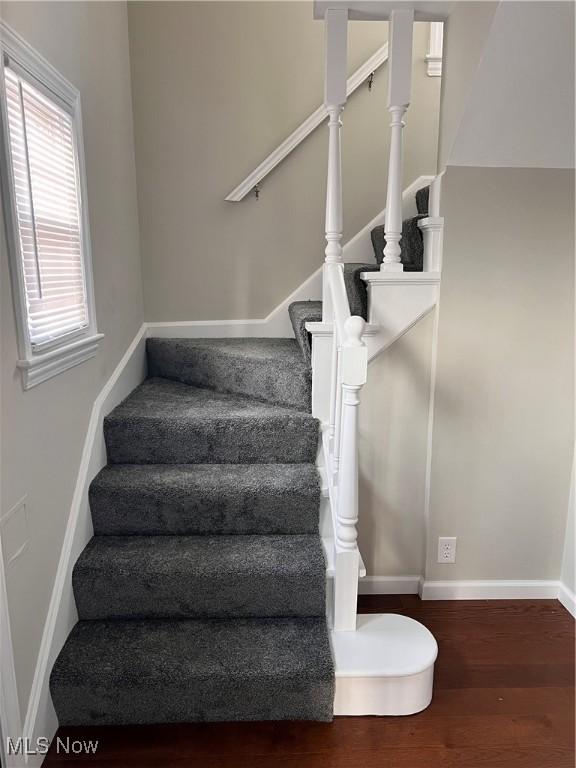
(41, 718)
(386, 667)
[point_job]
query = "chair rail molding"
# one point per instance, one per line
(305, 129)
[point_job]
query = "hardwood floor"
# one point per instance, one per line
(503, 697)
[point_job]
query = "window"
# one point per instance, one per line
(45, 210)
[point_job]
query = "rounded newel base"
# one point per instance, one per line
(385, 667)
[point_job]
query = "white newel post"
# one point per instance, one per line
(354, 363)
(400, 69)
(334, 99)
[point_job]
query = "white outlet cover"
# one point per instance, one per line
(447, 549)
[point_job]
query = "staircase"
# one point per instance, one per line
(202, 595)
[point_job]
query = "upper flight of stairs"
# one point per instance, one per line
(202, 595)
(412, 258)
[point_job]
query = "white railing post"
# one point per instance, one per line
(434, 55)
(334, 99)
(354, 369)
(400, 62)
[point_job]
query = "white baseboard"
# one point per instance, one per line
(494, 589)
(277, 324)
(389, 585)
(41, 718)
(567, 598)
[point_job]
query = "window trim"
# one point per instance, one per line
(37, 366)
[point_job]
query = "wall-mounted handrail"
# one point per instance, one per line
(305, 129)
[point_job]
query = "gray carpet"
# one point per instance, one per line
(138, 672)
(271, 370)
(157, 499)
(302, 312)
(166, 422)
(182, 577)
(202, 595)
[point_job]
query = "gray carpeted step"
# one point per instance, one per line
(200, 576)
(271, 370)
(356, 287)
(302, 312)
(422, 200)
(137, 499)
(166, 422)
(138, 672)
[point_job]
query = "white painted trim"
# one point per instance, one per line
(305, 129)
(10, 718)
(277, 323)
(434, 55)
(401, 278)
(567, 598)
(37, 366)
(389, 585)
(493, 589)
(130, 371)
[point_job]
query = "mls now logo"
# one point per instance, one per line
(67, 746)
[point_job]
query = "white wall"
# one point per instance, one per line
(43, 429)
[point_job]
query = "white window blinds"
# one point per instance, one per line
(47, 200)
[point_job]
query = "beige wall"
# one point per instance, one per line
(465, 35)
(43, 429)
(520, 108)
(504, 405)
(393, 447)
(216, 87)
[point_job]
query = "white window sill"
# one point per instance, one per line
(42, 367)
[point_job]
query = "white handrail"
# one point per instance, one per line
(305, 129)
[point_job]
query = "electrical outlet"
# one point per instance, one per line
(447, 549)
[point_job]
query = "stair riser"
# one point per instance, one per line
(281, 439)
(117, 594)
(138, 672)
(122, 512)
(229, 700)
(206, 367)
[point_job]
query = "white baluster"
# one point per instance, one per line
(334, 99)
(338, 415)
(400, 74)
(354, 366)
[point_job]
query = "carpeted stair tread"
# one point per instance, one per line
(139, 672)
(300, 313)
(200, 576)
(271, 370)
(422, 200)
(167, 422)
(156, 499)
(356, 287)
